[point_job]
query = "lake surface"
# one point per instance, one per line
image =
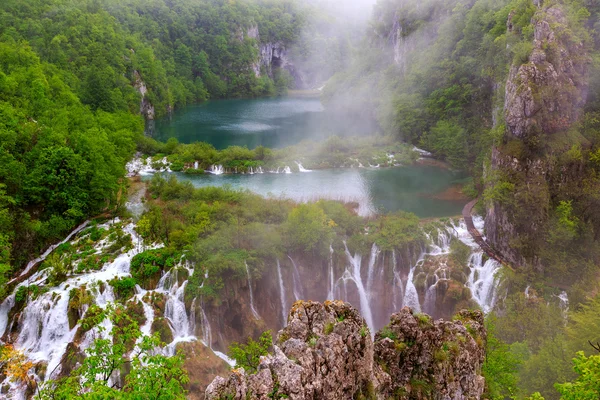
(270, 122)
(410, 188)
(277, 122)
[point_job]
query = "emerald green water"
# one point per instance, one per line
(278, 122)
(270, 122)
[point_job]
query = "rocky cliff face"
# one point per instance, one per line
(543, 99)
(146, 108)
(273, 56)
(326, 352)
(545, 95)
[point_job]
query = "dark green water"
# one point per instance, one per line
(270, 122)
(280, 122)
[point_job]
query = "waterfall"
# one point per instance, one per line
(207, 339)
(298, 290)
(370, 272)
(411, 296)
(397, 288)
(330, 294)
(365, 308)
(260, 170)
(301, 168)
(430, 297)
(196, 165)
(216, 170)
(45, 331)
(284, 309)
(286, 170)
(254, 312)
(482, 280)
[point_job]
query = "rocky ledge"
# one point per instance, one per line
(327, 352)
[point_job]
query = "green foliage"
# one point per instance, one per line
(248, 355)
(146, 267)
(308, 229)
(501, 365)
(396, 231)
(124, 288)
(151, 374)
(587, 385)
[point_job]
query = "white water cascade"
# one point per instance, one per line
(397, 285)
(216, 170)
(44, 324)
(287, 170)
(207, 338)
(254, 312)
(330, 293)
(301, 168)
(411, 296)
(196, 165)
(298, 290)
(284, 309)
(354, 276)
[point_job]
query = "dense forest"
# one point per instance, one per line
(79, 79)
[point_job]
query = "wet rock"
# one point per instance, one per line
(326, 352)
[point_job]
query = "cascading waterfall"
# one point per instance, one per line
(371, 271)
(45, 334)
(397, 285)
(482, 280)
(284, 309)
(254, 312)
(330, 293)
(301, 168)
(411, 296)
(207, 338)
(298, 290)
(196, 165)
(216, 170)
(286, 170)
(354, 275)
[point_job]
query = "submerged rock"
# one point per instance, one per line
(327, 352)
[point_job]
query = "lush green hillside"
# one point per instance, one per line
(72, 75)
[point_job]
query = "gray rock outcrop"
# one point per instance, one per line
(544, 97)
(326, 352)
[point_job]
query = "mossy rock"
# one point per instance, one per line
(78, 298)
(135, 311)
(162, 326)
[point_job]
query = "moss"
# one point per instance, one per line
(387, 332)
(124, 288)
(161, 325)
(77, 299)
(328, 328)
(424, 320)
(135, 310)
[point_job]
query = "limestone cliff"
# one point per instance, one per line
(146, 107)
(543, 99)
(326, 352)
